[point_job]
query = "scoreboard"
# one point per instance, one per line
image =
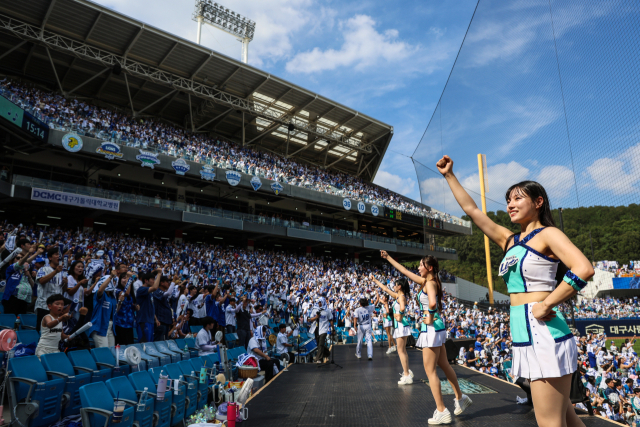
(397, 215)
(16, 116)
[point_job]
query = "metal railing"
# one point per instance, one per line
(27, 181)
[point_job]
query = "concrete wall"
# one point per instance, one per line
(470, 291)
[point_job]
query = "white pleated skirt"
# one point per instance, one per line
(387, 323)
(431, 338)
(401, 331)
(541, 349)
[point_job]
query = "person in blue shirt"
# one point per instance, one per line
(104, 309)
(125, 308)
(19, 289)
(146, 314)
(163, 316)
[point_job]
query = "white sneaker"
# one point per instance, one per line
(462, 404)
(443, 417)
(390, 350)
(405, 380)
(394, 348)
(358, 356)
(410, 373)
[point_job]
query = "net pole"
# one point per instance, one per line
(487, 250)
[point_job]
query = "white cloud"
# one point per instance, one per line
(619, 175)
(557, 181)
(363, 47)
(403, 186)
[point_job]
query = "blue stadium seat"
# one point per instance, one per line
(179, 400)
(232, 340)
(150, 361)
(97, 407)
(162, 348)
(58, 365)
(27, 337)
(191, 343)
(186, 355)
(83, 362)
(187, 367)
(174, 372)
(150, 349)
(195, 329)
(308, 348)
(165, 407)
(105, 360)
(28, 320)
(211, 359)
(142, 366)
(37, 400)
(7, 321)
(121, 387)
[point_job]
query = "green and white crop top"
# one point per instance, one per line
(405, 320)
(526, 270)
(423, 301)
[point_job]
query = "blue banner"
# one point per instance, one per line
(626, 282)
(613, 328)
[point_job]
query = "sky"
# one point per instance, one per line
(528, 90)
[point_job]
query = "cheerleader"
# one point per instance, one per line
(543, 347)
(433, 335)
(401, 323)
(387, 323)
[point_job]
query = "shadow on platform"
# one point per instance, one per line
(366, 393)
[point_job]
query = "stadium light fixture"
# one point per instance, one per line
(54, 217)
(230, 22)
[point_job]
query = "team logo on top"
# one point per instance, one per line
(234, 177)
(361, 207)
(277, 188)
(148, 158)
(346, 203)
(72, 142)
(180, 166)
(256, 183)
(375, 211)
(208, 173)
(506, 264)
(110, 150)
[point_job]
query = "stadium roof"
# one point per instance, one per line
(101, 54)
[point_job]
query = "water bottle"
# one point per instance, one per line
(142, 403)
(191, 384)
(186, 348)
(18, 323)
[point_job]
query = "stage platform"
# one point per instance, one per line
(366, 393)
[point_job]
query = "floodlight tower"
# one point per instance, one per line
(230, 22)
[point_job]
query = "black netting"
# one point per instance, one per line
(549, 91)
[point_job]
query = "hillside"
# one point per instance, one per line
(615, 232)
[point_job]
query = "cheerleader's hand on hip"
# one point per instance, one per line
(543, 312)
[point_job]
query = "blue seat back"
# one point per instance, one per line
(84, 359)
(58, 362)
(26, 337)
(47, 392)
(143, 379)
(180, 343)
(28, 320)
(178, 399)
(152, 362)
(211, 358)
(174, 373)
(195, 328)
(96, 395)
(7, 321)
(174, 347)
(190, 342)
(151, 350)
(162, 348)
(104, 355)
(121, 387)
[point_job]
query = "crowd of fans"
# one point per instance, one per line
(608, 308)
(109, 124)
(162, 288)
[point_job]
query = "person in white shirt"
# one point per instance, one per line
(258, 348)
(204, 341)
(362, 320)
(282, 342)
(230, 316)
